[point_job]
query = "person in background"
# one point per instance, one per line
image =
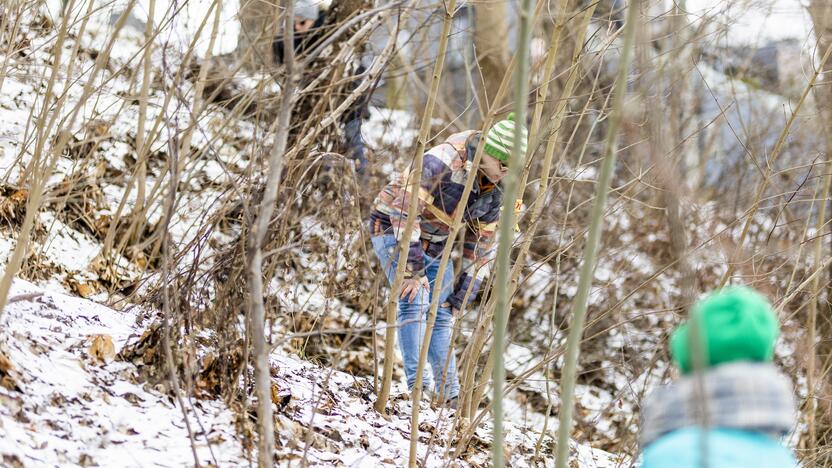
(309, 32)
(444, 172)
(749, 403)
(308, 22)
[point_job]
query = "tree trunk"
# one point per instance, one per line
(424, 132)
(491, 43)
(258, 28)
(257, 235)
(819, 391)
(506, 228)
(821, 12)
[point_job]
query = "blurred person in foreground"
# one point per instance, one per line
(748, 404)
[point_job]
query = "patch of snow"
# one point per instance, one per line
(72, 411)
(64, 240)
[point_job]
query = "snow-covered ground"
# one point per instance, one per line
(67, 401)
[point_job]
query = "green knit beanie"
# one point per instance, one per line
(499, 141)
(736, 324)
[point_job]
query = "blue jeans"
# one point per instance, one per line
(412, 321)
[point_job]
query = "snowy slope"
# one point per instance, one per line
(67, 408)
(66, 402)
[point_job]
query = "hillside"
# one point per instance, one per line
(126, 339)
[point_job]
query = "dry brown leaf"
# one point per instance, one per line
(13, 207)
(275, 394)
(12, 461)
(84, 289)
(102, 348)
(19, 196)
(280, 398)
(86, 460)
(5, 364)
(6, 369)
(98, 128)
(8, 383)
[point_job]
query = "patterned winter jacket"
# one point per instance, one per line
(444, 172)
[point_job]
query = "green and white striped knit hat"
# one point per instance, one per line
(499, 141)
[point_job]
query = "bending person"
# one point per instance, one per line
(444, 172)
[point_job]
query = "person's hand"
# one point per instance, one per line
(454, 310)
(411, 287)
